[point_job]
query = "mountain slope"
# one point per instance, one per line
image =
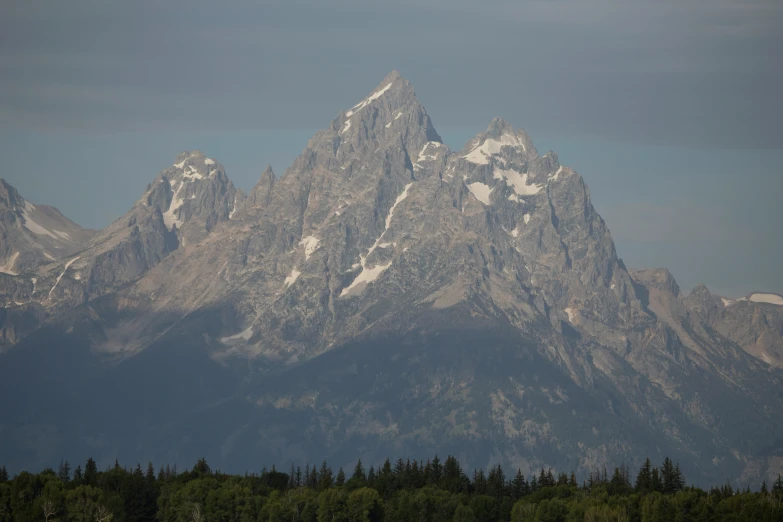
(388, 294)
(34, 234)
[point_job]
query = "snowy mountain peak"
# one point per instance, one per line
(499, 140)
(390, 111)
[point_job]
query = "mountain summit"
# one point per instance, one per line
(384, 295)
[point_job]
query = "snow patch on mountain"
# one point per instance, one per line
(310, 244)
(368, 275)
(518, 182)
(291, 279)
(170, 217)
(483, 151)
(396, 117)
(244, 335)
(67, 265)
(767, 298)
(31, 225)
(434, 145)
(364, 103)
(481, 191)
(192, 174)
(8, 267)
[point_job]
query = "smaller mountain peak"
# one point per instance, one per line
(267, 177)
(700, 294)
(188, 154)
(498, 126)
(260, 194)
(659, 278)
(394, 75)
(391, 109)
(499, 134)
(700, 290)
(393, 86)
(9, 197)
(195, 159)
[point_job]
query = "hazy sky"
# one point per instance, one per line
(669, 108)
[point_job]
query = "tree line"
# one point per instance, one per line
(403, 491)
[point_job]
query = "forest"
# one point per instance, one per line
(404, 491)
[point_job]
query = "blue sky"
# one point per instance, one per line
(670, 109)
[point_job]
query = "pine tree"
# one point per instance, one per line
(3, 475)
(436, 471)
(496, 482)
(644, 478)
(386, 470)
(399, 469)
(519, 486)
(359, 478)
(416, 476)
(298, 480)
(542, 482)
(679, 478)
(91, 473)
(64, 473)
(324, 477)
(292, 477)
(151, 491)
(655, 482)
(668, 477)
(78, 478)
(777, 487)
(454, 480)
(202, 468)
(480, 482)
(572, 480)
(340, 480)
(618, 482)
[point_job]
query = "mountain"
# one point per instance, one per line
(34, 234)
(384, 296)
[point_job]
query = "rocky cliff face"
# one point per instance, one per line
(389, 295)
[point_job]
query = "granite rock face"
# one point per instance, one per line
(387, 295)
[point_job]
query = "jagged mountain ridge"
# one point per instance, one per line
(379, 242)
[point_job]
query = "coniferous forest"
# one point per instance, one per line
(404, 491)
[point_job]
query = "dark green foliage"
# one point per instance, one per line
(433, 490)
(339, 481)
